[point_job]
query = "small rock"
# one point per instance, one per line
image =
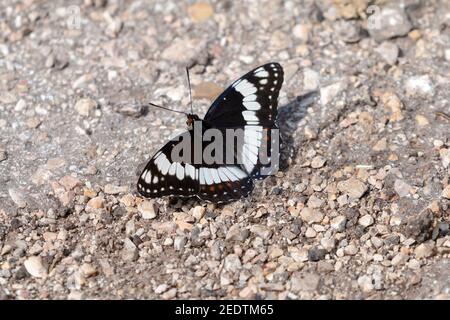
(170, 294)
(349, 31)
(85, 106)
(304, 281)
(33, 123)
(402, 188)
(161, 288)
(247, 293)
(365, 283)
(261, 231)
(279, 40)
(107, 269)
(446, 192)
(114, 26)
(232, 263)
(17, 197)
(353, 187)
(393, 103)
(349, 9)
(424, 250)
(399, 259)
(390, 22)
(95, 203)
(366, 220)
(388, 51)
(318, 162)
(88, 270)
(35, 267)
(328, 93)
(422, 120)
(69, 182)
(445, 157)
(237, 233)
(82, 81)
(275, 252)
(301, 32)
(328, 243)
(3, 154)
(342, 200)
(50, 61)
(314, 202)
(112, 189)
(338, 223)
(7, 97)
(207, 90)
(200, 11)
(419, 85)
(20, 105)
(414, 264)
(184, 51)
(310, 233)
(311, 80)
(148, 209)
(381, 145)
(198, 212)
(310, 215)
(179, 243)
(324, 267)
(129, 252)
(351, 250)
(315, 254)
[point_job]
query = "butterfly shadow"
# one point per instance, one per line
(289, 117)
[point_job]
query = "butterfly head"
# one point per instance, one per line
(190, 120)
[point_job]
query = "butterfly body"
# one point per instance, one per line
(247, 109)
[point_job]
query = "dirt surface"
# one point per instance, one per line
(360, 209)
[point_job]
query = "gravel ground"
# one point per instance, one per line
(360, 209)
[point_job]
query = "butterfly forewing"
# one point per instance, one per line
(250, 100)
(163, 176)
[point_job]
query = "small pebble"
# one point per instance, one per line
(35, 267)
(148, 209)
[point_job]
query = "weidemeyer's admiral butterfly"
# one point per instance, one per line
(219, 157)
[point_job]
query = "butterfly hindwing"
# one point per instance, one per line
(224, 183)
(163, 176)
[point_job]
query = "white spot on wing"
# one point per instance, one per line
(190, 170)
(202, 175)
(208, 176)
(173, 169)
(148, 177)
(262, 74)
(249, 116)
(251, 97)
(252, 105)
(215, 175)
(222, 174)
(180, 171)
(245, 88)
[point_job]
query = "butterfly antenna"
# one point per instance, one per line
(190, 91)
(164, 108)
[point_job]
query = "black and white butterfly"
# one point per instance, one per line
(249, 104)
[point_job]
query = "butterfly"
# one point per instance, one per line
(248, 105)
